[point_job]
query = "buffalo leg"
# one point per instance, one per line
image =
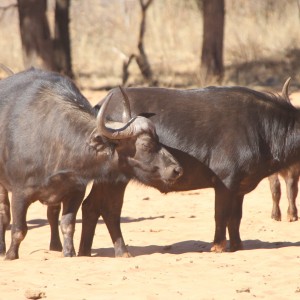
(234, 224)
(105, 199)
(90, 215)
(292, 192)
(19, 227)
(223, 204)
(53, 219)
(68, 220)
(276, 194)
(4, 218)
(111, 209)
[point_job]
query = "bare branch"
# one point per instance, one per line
(4, 9)
(141, 57)
(7, 7)
(144, 6)
(126, 64)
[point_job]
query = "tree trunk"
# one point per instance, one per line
(35, 34)
(141, 57)
(62, 38)
(213, 34)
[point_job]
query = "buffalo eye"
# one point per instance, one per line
(146, 147)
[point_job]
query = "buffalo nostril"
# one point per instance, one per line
(177, 172)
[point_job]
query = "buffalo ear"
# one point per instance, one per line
(100, 143)
(147, 115)
(95, 140)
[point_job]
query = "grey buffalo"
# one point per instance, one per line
(52, 143)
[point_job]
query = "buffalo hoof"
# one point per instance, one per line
(278, 219)
(236, 246)
(219, 248)
(11, 256)
(56, 247)
(292, 218)
(276, 216)
(124, 255)
(69, 253)
(121, 249)
(84, 253)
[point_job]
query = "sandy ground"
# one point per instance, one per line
(169, 237)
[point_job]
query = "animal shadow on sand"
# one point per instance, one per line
(37, 223)
(190, 246)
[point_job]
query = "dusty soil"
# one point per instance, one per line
(169, 237)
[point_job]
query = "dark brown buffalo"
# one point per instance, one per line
(291, 178)
(52, 143)
(227, 138)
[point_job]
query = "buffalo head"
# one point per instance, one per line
(139, 155)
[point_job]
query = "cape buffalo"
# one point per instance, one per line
(227, 138)
(291, 178)
(52, 143)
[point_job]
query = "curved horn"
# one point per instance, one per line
(121, 133)
(126, 113)
(285, 92)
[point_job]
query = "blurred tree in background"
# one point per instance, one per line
(140, 57)
(173, 42)
(62, 43)
(213, 33)
(35, 34)
(39, 48)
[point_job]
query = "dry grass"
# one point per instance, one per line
(260, 47)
